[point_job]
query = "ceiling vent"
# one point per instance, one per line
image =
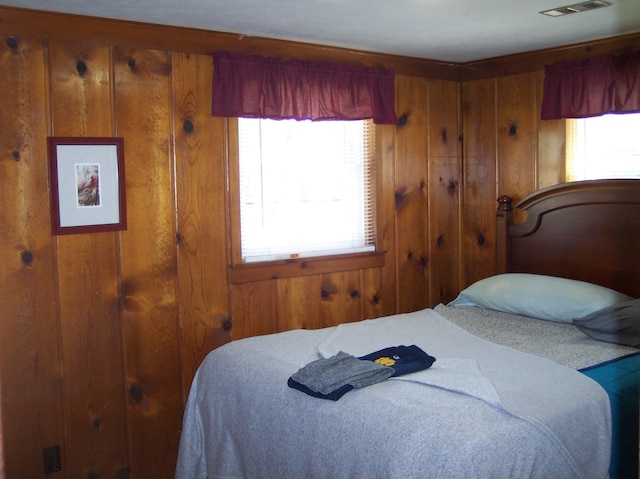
(577, 8)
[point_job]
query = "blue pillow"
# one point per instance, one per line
(618, 324)
(539, 296)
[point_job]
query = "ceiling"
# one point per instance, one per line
(457, 31)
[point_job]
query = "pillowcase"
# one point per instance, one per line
(618, 324)
(539, 296)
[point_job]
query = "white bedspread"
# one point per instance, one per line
(481, 411)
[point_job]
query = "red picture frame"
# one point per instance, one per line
(86, 184)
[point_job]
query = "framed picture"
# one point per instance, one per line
(87, 185)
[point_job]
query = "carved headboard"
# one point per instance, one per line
(586, 230)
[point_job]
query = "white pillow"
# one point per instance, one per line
(539, 296)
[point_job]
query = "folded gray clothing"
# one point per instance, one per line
(328, 374)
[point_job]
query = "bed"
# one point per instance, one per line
(517, 388)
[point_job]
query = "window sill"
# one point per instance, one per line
(250, 272)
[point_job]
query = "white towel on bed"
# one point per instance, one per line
(457, 375)
(445, 340)
(461, 375)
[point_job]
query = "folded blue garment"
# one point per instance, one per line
(331, 378)
(402, 359)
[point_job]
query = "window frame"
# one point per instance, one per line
(240, 272)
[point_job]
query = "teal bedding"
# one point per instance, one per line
(621, 380)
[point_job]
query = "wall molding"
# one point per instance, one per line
(79, 28)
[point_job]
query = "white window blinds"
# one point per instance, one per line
(602, 147)
(306, 188)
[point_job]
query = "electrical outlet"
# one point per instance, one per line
(51, 457)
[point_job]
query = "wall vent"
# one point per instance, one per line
(576, 8)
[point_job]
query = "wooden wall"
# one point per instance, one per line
(100, 334)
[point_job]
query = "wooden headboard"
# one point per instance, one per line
(586, 230)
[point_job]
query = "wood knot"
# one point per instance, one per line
(15, 154)
(480, 239)
(136, 393)
(513, 129)
(402, 120)
(227, 324)
(27, 257)
(82, 68)
(124, 473)
(375, 299)
(399, 196)
(187, 126)
(131, 62)
(440, 240)
(353, 294)
(12, 43)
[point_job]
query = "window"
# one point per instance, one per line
(306, 188)
(602, 147)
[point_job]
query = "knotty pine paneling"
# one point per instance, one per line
(30, 347)
(87, 266)
(444, 229)
(340, 298)
(552, 153)
(443, 132)
(479, 188)
(253, 309)
(551, 144)
(149, 260)
(380, 284)
(411, 196)
(444, 164)
(373, 292)
(517, 135)
(508, 146)
(201, 206)
(298, 302)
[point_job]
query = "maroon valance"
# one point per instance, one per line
(593, 87)
(259, 87)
